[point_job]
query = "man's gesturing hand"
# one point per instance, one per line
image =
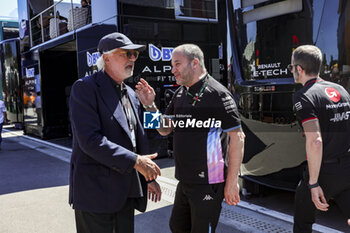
(147, 167)
(145, 92)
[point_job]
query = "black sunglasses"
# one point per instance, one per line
(129, 53)
(290, 67)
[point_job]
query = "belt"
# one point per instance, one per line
(337, 160)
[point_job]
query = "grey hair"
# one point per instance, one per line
(309, 57)
(192, 51)
(100, 62)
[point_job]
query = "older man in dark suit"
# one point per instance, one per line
(108, 174)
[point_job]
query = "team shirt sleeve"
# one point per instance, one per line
(228, 112)
(305, 111)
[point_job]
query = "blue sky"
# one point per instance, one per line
(8, 8)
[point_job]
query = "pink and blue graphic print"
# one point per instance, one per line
(215, 160)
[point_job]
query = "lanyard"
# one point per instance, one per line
(199, 94)
(127, 110)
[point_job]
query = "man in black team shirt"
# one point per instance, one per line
(208, 142)
(323, 110)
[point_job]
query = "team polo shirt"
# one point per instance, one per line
(330, 104)
(200, 124)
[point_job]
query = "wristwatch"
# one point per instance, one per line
(150, 106)
(311, 186)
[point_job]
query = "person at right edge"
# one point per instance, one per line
(322, 109)
(205, 176)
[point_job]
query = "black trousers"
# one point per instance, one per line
(334, 180)
(196, 208)
(119, 222)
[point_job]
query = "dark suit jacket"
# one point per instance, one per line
(102, 160)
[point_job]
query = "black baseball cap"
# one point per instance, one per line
(117, 40)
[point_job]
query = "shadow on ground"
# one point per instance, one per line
(23, 168)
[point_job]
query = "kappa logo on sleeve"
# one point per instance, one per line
(298, 106)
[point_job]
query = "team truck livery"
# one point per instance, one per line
(10, 81)
(261, 38)
(59, 45)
